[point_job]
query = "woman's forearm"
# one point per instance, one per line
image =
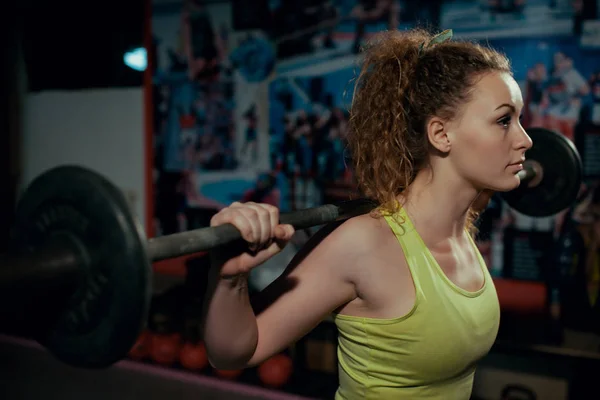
(230, 330)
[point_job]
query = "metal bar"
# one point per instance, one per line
(204, 239)
(527, 173)
(48, 271)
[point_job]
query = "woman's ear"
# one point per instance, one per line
(437, 134)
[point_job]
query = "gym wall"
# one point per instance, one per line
(101, 129)
(79, 103)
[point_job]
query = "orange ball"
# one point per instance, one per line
(276, 371)
(165, 348)
(193, 356)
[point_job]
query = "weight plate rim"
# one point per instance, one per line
(106, 190)
(576, 177)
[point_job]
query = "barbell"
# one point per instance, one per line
(78, 277)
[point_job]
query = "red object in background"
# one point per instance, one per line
(187, 121)
(276, 371)
(521, 297)
(193, 356)
(165, 348)
(142, 346)
(228, 373)
(173, 266)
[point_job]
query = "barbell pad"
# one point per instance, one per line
(204, 239)
(562, 176)
(109, 306)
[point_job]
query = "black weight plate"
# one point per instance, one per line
(105, 315)
(562, 176)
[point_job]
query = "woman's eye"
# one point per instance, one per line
(505, 121)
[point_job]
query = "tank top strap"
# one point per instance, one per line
(413, 247)
(404, 230)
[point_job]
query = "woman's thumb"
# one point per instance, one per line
(284, 232)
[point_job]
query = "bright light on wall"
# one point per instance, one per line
(136, 59)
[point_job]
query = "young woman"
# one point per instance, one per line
(434, 130)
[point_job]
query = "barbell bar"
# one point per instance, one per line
(205, 239)
(78, 279)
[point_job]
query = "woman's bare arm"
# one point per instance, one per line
(319, 280)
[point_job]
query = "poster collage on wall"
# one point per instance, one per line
(251, 111)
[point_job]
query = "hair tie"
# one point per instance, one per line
(437, 39)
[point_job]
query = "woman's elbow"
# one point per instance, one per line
(228, 363)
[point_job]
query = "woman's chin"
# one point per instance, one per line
(506, 185)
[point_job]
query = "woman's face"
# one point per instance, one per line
(487, 142)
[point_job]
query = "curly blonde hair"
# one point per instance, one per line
(399, 87)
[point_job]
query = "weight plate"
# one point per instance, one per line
(562, 176)
(110, 305)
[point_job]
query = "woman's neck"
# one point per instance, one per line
(439, 205)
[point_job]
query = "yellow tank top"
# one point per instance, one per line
(429, 353)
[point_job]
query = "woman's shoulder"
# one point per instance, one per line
(349, 237)
(371, 223)
(343, 248)
(357, 235)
